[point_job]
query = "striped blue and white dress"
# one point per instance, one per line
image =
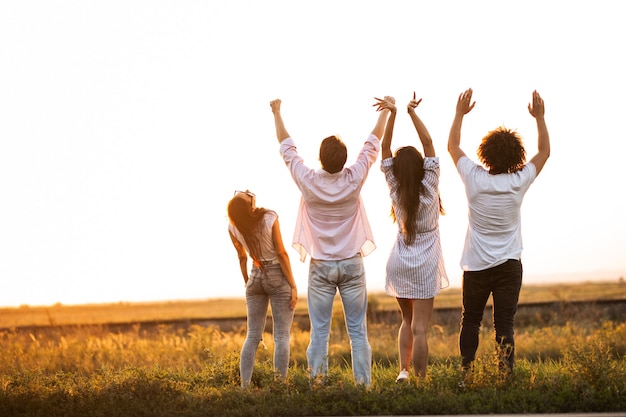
(417, 271)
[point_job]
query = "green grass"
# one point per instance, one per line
(538, 387)
(573, 363)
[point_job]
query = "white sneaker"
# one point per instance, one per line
(403, 376)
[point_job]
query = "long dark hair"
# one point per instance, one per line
(249, 221)
(408, 169)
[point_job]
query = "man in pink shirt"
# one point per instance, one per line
(332, 228)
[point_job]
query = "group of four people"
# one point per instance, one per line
(333, 230)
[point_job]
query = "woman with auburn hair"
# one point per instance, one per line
(255, 231)
(415, 270)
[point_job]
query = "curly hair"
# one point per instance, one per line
(333, 154)
(408, 169)
(502, 151)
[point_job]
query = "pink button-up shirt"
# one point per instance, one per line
(332, 223)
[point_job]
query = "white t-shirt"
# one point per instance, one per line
(494, 232)
(268, 252)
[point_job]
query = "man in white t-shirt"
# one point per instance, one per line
(491, 259)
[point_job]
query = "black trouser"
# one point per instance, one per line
(503, 282)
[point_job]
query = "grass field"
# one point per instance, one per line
(125, 312)
(569, 360)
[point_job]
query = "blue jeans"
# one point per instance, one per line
(262, 289)
(503, 282)
(325, 278)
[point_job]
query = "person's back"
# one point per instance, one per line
(332, 198)
(255, 232)
(332, 222)
(491, 259)
(267, 250)
(331, 215)
(415, 270)
(332, 228)
(494, 214)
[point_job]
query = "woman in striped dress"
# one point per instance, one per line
(415, 270)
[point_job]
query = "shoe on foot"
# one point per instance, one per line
(403, 376)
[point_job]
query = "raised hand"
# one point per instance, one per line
(281, 130)
(537, 108)
(387, 103)
(275, 105)
(413, 103)
(463, 106)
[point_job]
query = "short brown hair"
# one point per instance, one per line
(333, 154)
(502, 151)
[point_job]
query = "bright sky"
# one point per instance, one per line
(126, 125)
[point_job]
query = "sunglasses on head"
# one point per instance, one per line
(248, 193)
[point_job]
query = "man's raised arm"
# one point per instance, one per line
(463, 107)
(281, 131)
(388, 135)
(537, 110)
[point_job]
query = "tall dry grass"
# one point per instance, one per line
(569, 360)
(195, 372)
